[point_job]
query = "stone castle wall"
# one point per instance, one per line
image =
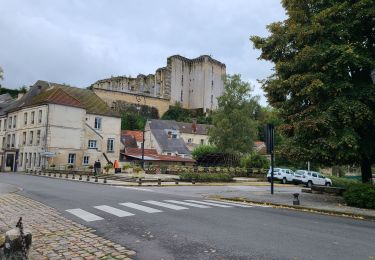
(195, 83)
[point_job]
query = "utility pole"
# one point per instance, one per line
(270, 136)
(139, 99)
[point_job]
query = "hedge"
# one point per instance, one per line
(205, 177)
(360, 195)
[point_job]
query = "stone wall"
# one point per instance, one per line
(161, 104)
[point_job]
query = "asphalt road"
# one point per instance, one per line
(202, 233)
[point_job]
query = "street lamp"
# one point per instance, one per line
(139, 99)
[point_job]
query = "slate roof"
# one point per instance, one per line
(158, 129)
(200, 129)
(43, 92)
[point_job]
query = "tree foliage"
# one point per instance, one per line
(323, 55)
(180, 114)
(132, 121)
(202, 150)
(255, 160)
(234, 125)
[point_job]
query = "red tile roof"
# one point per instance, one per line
(138, 135)
(151, 155)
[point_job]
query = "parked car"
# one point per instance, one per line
(297, 176)
(280, 174)
(315, 178)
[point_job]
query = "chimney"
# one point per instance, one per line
(20, 94)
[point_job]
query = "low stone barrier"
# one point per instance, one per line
(329, 190)
(13, 245)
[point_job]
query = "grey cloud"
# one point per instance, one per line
(79, 42)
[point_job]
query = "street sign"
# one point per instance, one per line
(48, 154)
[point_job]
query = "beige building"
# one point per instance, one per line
(195, 83)
(58, 124)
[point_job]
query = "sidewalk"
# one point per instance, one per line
(55, 237)
(328, 204)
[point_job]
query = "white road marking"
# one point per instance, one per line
(114, 211)
(165, 205)
(134, 188)
(140, 207)
(210, 203)
(230, 203)
(87, 216)
(188, 204)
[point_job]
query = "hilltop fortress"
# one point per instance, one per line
(194, 83)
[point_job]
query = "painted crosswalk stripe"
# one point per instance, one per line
(188, 204)
(140, 207)
(165, 205)
(230, 203)
(114, 211)
(83, 214)
(210, 203)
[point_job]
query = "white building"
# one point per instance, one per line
(57, 124)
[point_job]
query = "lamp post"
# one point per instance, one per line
(139, 99)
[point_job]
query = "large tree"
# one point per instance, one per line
(323, 55)
(234, 125)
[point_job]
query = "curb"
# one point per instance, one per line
(344, 214)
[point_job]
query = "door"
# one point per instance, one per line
(9, 162)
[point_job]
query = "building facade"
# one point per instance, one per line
(58, 124)
(194, 83)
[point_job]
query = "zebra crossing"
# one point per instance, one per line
(152, 207)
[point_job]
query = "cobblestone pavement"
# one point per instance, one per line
(55, 237)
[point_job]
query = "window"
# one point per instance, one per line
(202, 141)
(98, 123)
(14, 121)
(40, 160)
(4, 142)
(10, 123)
(38, 137)
(40, 116)
(25, 118)
(5, 125)
(92, 144)
(182, 94)
(32, 117)
(24, 138)
(314, 175)
(1, 121)
(13, 140)
(72, 158)
(30, 159)
(85, 160)
(8, 141)
(31, 137)
(34, 161)
(110, 144)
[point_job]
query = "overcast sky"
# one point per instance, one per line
(79, 42)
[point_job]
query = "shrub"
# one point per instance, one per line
(70, 166)
(255, 160)
(205, 177)
(52, 166)
(360, 195)
(107, 167)
(342, 182)
(126, 166)
(137, 169)
(202, 150)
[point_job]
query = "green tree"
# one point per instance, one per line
(203, 150)
(132, 121)
(234, 125)
(323, 55)
(255, 160)
(1, 74)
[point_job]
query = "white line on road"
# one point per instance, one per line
(134, 188)
(111, 210)
(230, 203)
(210, 203)
(165, 205)
(188, 204)
(87, 216)
(140, 207)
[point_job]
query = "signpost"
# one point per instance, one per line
(270, 140)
